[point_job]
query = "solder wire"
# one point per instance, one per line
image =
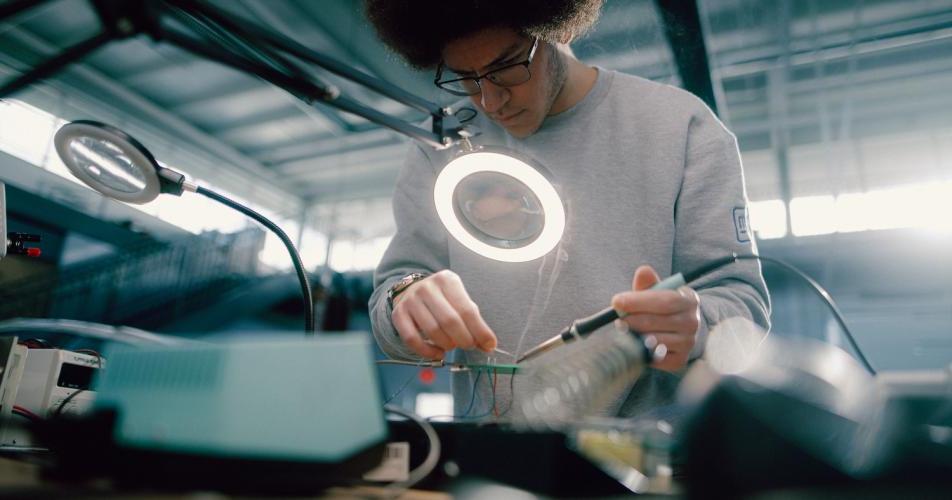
(535, 308)
(421, 363)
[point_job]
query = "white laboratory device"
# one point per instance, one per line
(50, 376)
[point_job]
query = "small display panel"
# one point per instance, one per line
(75, 376)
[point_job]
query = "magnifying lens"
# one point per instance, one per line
(115, 164)
(499, 205)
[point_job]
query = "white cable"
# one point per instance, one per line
(432, 456)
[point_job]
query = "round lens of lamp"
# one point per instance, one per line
(499, 209)
(108, 160)
(499, 206)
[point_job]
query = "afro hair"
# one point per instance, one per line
(418, 30)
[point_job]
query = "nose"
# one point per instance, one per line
(493, 97)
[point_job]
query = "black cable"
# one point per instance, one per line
(309, 326)
(827, 299)
(472, 398)
(402, 387)
(65, 401)
(469, 408)
(512, 393)
(489, 411)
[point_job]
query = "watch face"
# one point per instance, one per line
(403, 283)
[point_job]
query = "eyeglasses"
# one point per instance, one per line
(509, 75)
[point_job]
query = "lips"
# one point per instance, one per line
(509, 118)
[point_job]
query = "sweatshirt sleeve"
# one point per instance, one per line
(418, 246)
(711, 219)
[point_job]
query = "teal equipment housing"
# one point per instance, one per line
(311, 400)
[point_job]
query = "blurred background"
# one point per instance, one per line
(842, 110)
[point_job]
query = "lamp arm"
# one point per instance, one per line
(57, 62)
(257, 34)
(309, 326)
(309, 91)
(14, 7)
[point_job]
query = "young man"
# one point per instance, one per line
(652, 179)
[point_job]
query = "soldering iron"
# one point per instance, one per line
(581, 328)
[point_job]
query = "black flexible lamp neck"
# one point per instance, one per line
(309, 326)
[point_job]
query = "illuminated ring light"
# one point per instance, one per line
(495, 162)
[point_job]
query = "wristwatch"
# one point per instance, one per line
(404, 283)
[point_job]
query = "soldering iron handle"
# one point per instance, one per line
(583, 327)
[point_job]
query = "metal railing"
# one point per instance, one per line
(145, 285)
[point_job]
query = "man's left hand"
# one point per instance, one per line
(672, 316)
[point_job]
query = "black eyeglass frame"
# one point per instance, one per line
(477, 78)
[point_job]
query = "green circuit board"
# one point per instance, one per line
(503, 369)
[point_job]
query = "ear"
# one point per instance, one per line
(563, 47)
(645, 277)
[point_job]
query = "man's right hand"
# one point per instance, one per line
(435, 315)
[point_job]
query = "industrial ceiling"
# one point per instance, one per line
(802, 84)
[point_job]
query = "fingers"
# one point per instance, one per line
(439, 309)
(429, 325)
(681, 322)
(671, 316)
(410, 335)
(645, 277)
(449, 321)
(675, 342)
(468, 311)
(653, 301)
(672, 361)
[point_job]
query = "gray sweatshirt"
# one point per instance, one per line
(649, 176)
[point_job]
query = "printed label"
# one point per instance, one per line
(741, 224)
(395, 465)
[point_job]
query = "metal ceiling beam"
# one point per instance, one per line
(314, 147)
(682, 28)
(263, 118)
(343, 149)
(340, 164)
(766, 57)
(144, 110)
(778, 105)
(278, 151)
(354, 191)
(720, 97)
(239, 86)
